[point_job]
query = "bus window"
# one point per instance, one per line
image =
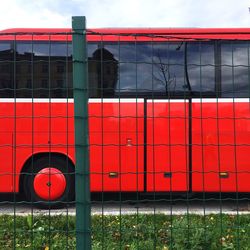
(201, 68)
(168, 71)
(6, 68)
(44, 67)
(103, 70)
(136, 69)
(235, 73)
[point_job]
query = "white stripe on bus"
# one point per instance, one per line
(36, 100)
(124, 100)
(116, 100)
(219, 100)
(166, 100)
(70, 100)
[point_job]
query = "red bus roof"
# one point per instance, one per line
(129, 34)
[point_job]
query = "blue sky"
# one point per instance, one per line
(125, 13)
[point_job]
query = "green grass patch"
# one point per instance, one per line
(129, 232)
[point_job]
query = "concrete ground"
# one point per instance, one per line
(194, 205)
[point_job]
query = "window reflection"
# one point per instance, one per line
(136, 68)
(6, 68)
(235, 69)
(201, 68)
(44, 69)
(103, 71)
(168, 71)
(35, 69)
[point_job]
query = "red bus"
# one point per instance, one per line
(169, 111)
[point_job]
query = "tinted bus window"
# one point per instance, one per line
(136, 69)
(6, 70)
(103, 70)
(235, 71)
(201, 68)
(36, 69)
(43, 70)
(168, 71)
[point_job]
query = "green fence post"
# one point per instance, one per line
(80, 83)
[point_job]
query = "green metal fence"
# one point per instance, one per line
(80, 70)
(37, 145)
(155, 123)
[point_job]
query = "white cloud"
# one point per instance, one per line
(126, 13)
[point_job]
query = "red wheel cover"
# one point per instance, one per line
(49, 183)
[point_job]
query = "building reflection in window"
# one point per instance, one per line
(103, 73)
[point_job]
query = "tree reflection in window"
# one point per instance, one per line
(136, 68)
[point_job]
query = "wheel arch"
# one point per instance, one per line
(36, 156)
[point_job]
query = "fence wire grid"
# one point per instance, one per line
(154, 123)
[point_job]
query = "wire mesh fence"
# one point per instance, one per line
(36, 139)
(169, 118)
(156, 126)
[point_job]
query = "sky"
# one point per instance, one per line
(125, 13)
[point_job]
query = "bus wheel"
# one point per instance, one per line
(49, 182)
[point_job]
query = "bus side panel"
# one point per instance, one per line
(6, 146)
(242, 127)
(167, 146)
(221, 136)
(116, 146)
(42, 128)
(116, 138)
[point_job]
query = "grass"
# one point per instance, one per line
(129, 232)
